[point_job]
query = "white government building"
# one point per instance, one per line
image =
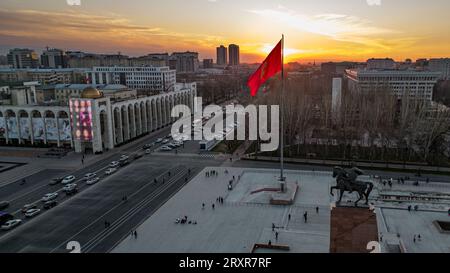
(416, 84)
(92, 122)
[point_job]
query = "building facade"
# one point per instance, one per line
(23, 58)
(233, 53)
(63, 92)
(440, 65)
(92, 122)
(53, 58)
(43, 76)
(161, 79)
(221, 55)
(185, 62)
(386, 63)
(415, 84)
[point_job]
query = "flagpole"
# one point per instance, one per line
(282, 178)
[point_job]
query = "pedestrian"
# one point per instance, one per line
(305, 216)
(273, 227)
(106, 224)
(213, 206)
(135, 234)
(317, 210)
(419, 237)
(414, 239)
(203, 205)
(270, 243)
(276, 236)
(169, 174)
(409, 208)
(289, 217)
(82, 161)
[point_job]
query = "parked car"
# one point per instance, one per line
(4, 205)
(114, 164)
(89, 176)
(32, 212)
(49, 197)
(159, 140)
(11, 224)
(50, 204)
(92, 181)
(148, 151)
(27, 207)
(165, 141)
(68, 179)
(56, 181)
(110, 171)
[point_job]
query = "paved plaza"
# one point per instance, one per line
(240, 222)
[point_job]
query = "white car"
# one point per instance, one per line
(148, 151)
(92, 181)
(159, 140)
(165, 141)
(110, 171)
(68, 179)
(89, 176)
(49, 197)
(69, 187)
(114, 164)
(32, 212)
(11, 224)
(166, 148)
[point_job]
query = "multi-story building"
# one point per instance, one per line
(185, 62)
(415, 84)
(208, 63)
(154, 59)
(233, 54)
(440, 65)
(53, 58)
(221, 55)
(43, 76)
(386, 63)
(161, 79)
(23, 58)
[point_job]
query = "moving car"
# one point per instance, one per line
(146, 146)
(11, 224)
(70, 189)
(68, 179)
(27, 207)
(5, 217)
(32, 212)
(55, 181)
(92, 181)
(50, 204)
(114, 164)
(110, 171)
(49, 197)
(89, 176)
(165, 148)
(4, 205)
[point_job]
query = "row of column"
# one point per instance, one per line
(130, 121)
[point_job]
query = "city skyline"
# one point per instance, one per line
(353, 30)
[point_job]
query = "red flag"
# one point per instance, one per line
(271, 66)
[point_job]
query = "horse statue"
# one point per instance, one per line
(346, 181)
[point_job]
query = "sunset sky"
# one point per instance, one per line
(317, 30)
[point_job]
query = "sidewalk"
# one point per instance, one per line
(406, 167)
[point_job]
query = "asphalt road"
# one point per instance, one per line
(82, 217)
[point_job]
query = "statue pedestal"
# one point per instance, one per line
(352, 229)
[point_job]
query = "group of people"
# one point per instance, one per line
(212, 173)
(417, 237)
(185, 220)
